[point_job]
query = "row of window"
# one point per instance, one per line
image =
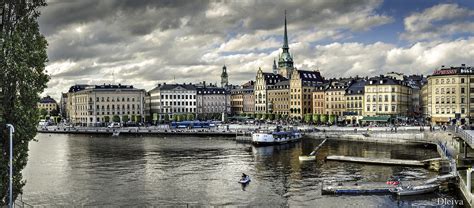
(383, 98)
(174, 97)
(113, 99)
(381, 108)
(448, 110)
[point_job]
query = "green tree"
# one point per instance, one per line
(125, 118)
(285, 117)
(258, 116)
(332, 119)
(316, 118)
(277, 116)
(271, 116)
(43, 113)
(264, 116)
(22, 78)
(166, 118)
(116, 118)
(307, 118)
(251, 115)
(243, 114)
(190, 117)
(324, 118)
(106, 119)
(138, 118)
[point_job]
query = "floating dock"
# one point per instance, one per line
(383, 161)
(356, 188)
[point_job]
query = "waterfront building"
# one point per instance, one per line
(212, 101)
(279, 97)
(224, 77)
(63, 106)
(248, 97)
(302, 85)
(335, 97)
(236, 101)
(285, 61)
(93, 105)
(167, 100)
(49, 105)
(415, 82)
(262, 82)
(354, 97)
(319, 103)
(386, 96)
(449, 97)
(425, 96)
(148, 114)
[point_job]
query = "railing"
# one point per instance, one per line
(20, 203)
(468, 138)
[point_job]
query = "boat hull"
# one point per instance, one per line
(263, 139)
(424, 189)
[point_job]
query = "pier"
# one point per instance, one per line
(382, 161)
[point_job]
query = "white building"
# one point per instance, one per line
(171, 99)
(93, 105)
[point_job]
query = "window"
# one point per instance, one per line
(463, 110)
(462, 80)
(462, 90)
(394, 108)
(462, 100)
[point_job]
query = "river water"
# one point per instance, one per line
(80, 170)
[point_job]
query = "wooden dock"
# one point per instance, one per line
(383, 161)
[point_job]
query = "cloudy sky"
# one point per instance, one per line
(145, 42)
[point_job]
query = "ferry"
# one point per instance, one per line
(275, 137)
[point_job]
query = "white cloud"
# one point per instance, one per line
(438, 21)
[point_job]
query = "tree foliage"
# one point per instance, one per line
(22, 79)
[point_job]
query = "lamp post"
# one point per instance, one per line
(12, 129)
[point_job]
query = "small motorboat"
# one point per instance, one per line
(245, 180)
(414, 190)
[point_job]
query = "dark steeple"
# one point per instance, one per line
(285, 61)
(285, 39)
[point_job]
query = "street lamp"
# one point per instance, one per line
(12, 129)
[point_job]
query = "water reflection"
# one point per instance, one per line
(75, 170)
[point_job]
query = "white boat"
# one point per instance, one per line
(245, 180)
(414, 190)
(275, 137)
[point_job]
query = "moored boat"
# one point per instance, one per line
(275, 137)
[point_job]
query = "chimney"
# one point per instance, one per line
(203, 83)
(463, 64)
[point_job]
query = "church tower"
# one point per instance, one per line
(224, 77)
(285, 61)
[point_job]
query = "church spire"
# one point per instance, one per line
(285, 38)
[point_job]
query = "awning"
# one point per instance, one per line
(376, 118)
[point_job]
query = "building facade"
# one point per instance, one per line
(279, 97)
(386, 96)
(449, 97)
(212, 100)
(319, 103)
(354, 101)
(263, 81)
(49, 105)
(91, 105)
(172, 99)
(302, 85)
